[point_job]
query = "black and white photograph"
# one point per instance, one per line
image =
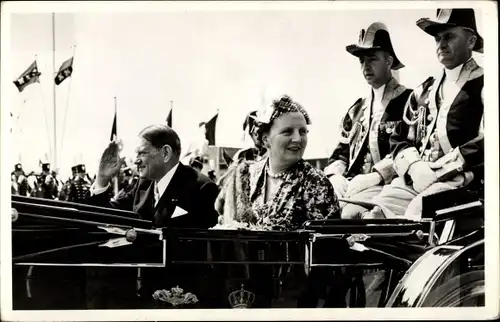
(269, 160)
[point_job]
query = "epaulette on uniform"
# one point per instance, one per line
(347, 121)
(417, 98)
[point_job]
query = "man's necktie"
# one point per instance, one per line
(157, 195)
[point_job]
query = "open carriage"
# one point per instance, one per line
(74, 256)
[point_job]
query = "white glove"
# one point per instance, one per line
(336, 168)
(362, 182)
(375, 213)
(339, 184)
(422, 175)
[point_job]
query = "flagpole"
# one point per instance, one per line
(115, 180)
(217, 162)
(217, 159)
(171, 114)
(54, 86)
(66, 107)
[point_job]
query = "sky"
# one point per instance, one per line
(203, 61)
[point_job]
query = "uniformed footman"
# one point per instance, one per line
(20, 184)
(46, 184)
(361, 164)
(80, 185)
(439, 146)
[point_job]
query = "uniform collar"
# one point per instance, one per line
(453, 74)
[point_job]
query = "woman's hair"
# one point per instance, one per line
(281, 107)
(159, 135)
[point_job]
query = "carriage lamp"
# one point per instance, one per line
(131, 235)
(14, 214)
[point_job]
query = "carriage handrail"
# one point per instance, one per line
(62, 210)
(59, 204)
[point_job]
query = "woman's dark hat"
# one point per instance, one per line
(446, 18)
(376, 37)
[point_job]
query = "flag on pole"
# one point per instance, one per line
(227, 157)
(65, 71)
(30, 76)
(169, 118)
(210, 129)
(113, 130)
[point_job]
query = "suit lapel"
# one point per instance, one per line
(145, 203)
(166, 205)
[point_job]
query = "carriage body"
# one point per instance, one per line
(61, 248)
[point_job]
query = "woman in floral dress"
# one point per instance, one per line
(281, 191)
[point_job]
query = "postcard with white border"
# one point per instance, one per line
(249, 160)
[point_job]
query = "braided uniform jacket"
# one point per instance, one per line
(23, 187)
(364, 138)
(78, 190)
(454, 123)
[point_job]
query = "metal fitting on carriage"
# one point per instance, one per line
(241, 299)
(352, 239)
(131, 235)
(175, 296)
(14, 214)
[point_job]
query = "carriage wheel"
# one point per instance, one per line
(464, 290)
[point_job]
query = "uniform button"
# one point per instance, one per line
(362, 119)
(430, 117)
(430, 88)
(388, 130)
(426, 101)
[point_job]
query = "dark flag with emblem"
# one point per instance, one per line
(210, 130)
(65, 71)
(169, 118)
(30, 76)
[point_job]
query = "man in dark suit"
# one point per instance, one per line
(168, 193)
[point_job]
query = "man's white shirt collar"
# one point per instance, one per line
(378, 94)
(165, 181)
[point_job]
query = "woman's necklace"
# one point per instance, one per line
(280, 175)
